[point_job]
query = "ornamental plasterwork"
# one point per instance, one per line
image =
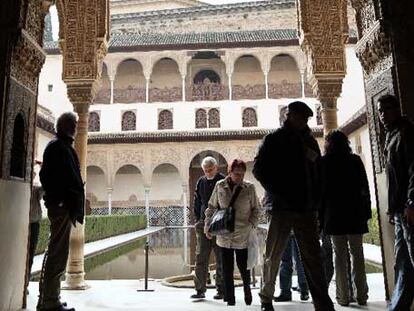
(247, 153)
(99, 159)
(129, 156)
(373, 48)
(165, 155)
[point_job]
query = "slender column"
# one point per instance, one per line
(185, 205)
(75, 273)
(147, 80)
(302, 83)
(109, 201)
(266, 75)
(147, 190)
(111, 79)
(183, 87)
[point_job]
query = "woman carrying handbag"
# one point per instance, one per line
(241, 199)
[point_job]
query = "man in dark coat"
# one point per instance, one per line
(287, 167)
(204, 189)
(399, 163)
(64, 199)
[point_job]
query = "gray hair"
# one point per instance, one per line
(63, 119)
(208, 162)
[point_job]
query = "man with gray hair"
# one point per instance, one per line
(64, 199)
(202, 194)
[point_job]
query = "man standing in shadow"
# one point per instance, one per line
(287, 166)
(64, 199)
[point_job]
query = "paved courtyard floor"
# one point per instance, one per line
(123, 295)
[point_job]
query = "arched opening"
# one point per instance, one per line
(94, 122)
(18, 150)
(249, 118)
(284, 78)
(201, 119)
(214, 118)
(129, 121)
(165, 120)
(165, 82)
(96, 191)
(248, 79)
(104, 94)
(165, 196)
(206, 77)
(129, 84)
(128, 190)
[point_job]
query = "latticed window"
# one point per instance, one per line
(94, 124)
(129, 121)
(201, 119)
(249, 117)
(165, 120)
(213, 118)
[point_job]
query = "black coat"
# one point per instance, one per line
(202, 194)
(346, 204)
(287, 166)
(61, 178)
(399, 157)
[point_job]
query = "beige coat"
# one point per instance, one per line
(247, 207)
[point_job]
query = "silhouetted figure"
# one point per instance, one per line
(345, 212)
(64, 199)
(287, 165)
(399, 163)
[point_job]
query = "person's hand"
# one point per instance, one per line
(391, 219)
(208, 235)
(409, 215)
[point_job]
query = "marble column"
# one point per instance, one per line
(111, 80)
(230, 88)
(185, 205)
(183, 87)
(302, 83)
(109, 201)
(328, 92)
(147, 190)
(147, 81)
(75, 273)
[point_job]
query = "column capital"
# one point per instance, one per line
(147, 188)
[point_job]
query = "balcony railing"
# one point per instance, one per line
(285, 89)
(165, 95)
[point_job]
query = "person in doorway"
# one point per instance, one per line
(203, 191)
(287, 166)
(247, 212)
(345, 211)
(399, 164)
(35, 216)
(64, 199)
(291, 254)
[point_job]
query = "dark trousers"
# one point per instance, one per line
(286, 269)
(203, 251)
(305, 228)
(228, 271)
(34, 238)
(56, 256)
(403, 294)
(327, 256)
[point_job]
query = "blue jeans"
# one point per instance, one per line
(286, 269)
(403, 295)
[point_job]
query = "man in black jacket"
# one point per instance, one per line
(287, 167)
(399, 163)
(202, 194)
(64, 199)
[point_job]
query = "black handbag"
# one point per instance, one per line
(223, 219)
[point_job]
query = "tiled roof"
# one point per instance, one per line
(183, 136)
(195, 39)
(200, 10)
